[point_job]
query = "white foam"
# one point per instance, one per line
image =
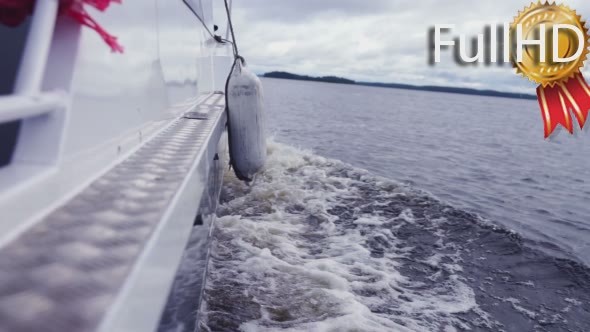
(297, 261)
(516, 305)
(370, 220)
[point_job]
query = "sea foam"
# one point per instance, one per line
(313, 245)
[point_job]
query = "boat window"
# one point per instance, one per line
(8, 134)
(12, 40)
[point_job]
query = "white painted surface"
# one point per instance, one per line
(15, 107)
(112, 103)
(221, 65)
(139, 304)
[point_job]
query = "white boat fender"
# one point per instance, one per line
(246, 121)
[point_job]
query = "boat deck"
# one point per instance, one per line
(92, 263)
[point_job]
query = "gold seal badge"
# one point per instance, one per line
(549, 72)
(551, 47)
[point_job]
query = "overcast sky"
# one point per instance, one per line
(372, 40)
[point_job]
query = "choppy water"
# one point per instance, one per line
(344, 239)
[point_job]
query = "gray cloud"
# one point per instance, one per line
(372, 40)
(302, 10)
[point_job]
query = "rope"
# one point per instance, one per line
(214, 36)
(231, 29)
(237, 58)
(199, 17)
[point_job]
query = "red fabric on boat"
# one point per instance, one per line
(13, 12)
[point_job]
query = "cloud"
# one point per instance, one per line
(372, 40)
(300, 11)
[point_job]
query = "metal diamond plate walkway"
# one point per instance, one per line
(66, 271)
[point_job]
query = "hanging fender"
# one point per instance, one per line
(246, 121)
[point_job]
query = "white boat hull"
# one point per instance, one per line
(114, 158)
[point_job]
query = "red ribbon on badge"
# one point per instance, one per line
(556, 102)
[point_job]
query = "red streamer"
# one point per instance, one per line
(14, 12)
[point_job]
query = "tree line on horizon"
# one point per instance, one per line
(342, 80)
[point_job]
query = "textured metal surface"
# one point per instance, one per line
(196, 115)
(182, 310)
(64, 272)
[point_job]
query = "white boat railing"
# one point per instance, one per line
(16, 107)
(38, 101)
(34, 61)
(28, 100)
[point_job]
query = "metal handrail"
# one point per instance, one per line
(36, 52)
(16, 107)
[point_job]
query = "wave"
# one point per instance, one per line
(317, 245)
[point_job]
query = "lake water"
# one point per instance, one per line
(482, 154)
(396, 210)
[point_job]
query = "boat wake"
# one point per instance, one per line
(317, 245)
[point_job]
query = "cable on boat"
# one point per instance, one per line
(231, 29)
(199, 18)
(247, 160)
(211, 34)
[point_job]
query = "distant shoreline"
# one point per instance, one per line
(342, 80)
